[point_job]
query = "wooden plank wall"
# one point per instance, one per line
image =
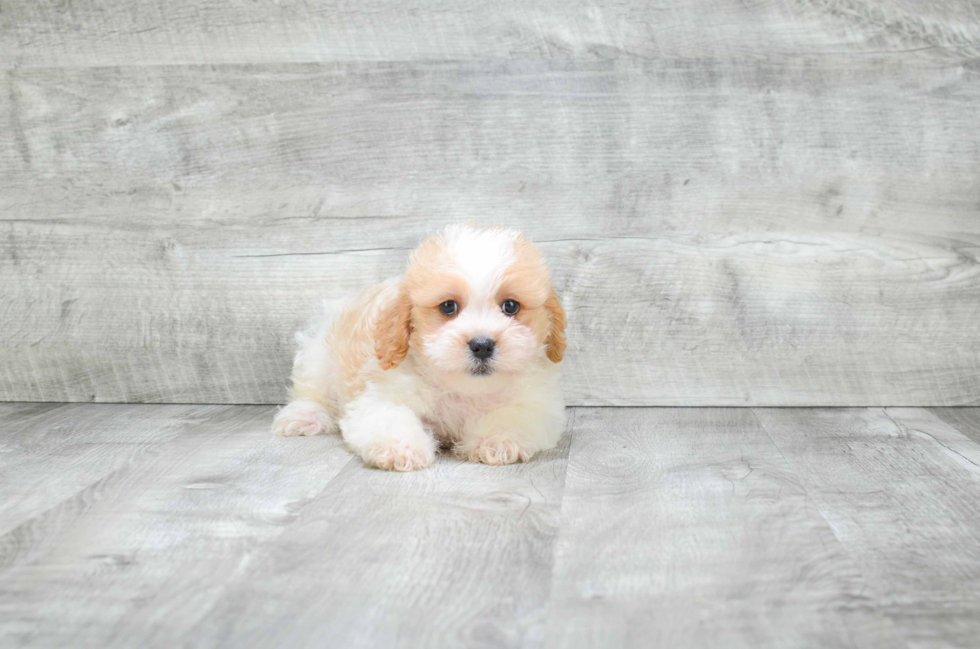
(774, 202)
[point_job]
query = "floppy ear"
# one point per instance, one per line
(392, 330)
(556, 333)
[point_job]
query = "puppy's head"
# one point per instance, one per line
(474, 303)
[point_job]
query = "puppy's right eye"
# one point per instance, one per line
(449, 308)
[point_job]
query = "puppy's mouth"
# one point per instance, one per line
(481, 368)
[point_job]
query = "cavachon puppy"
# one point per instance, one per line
(461, 352)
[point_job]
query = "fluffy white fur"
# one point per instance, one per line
(398, 377)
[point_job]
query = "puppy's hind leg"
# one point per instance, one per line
(387, 435)
(302, 417)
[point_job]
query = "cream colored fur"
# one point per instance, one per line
(395, 374)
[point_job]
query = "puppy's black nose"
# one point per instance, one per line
(482, 348)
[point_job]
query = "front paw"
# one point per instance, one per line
(302, 417)
(494, 450)
(400, 454)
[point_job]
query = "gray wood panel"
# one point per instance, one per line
(688, 528)
(459, 555)
(800, 231)
(900, 489)
(678, 527)
(965, 420)
(77, 445)
(139, 556)
(47, 33)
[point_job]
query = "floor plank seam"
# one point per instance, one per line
(905, 431)
(808, 500)
(150, 450)
(566, 441)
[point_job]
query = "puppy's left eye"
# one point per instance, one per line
(510, 307)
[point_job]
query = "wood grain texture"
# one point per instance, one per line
(647, 526)
(965, 420)
(723, 232)
(140, 555)
(900, 489)
(78, 445)
(687, 528)
(46, 33)
(460, 555)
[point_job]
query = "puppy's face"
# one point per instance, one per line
(474, 303)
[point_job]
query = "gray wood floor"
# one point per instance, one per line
(176, 525)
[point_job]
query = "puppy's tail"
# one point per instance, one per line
(314, 374)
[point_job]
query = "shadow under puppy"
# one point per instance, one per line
(461, 351)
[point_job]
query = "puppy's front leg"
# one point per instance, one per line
(387, 435)
(510, 434)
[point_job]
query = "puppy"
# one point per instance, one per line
(462, 352)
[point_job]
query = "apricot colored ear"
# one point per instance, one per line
(392, 331)
(556, 334)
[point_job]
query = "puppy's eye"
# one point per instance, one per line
(510, 307)
(449, 307)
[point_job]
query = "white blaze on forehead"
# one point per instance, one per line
(482, 255)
